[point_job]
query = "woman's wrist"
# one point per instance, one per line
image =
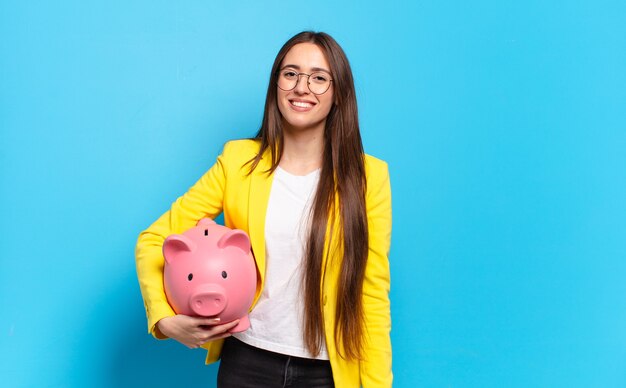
(162, 327)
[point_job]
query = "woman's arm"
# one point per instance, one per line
(204, 199)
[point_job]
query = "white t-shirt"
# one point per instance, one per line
(276, 320)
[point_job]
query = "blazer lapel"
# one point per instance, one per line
(258, 197)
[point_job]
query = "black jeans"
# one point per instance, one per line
(244, 366)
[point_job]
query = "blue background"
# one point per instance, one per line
(503, 123)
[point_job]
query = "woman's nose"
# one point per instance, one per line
(302, 87)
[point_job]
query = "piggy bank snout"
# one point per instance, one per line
(208, 300)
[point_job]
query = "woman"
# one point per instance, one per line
(318, 212)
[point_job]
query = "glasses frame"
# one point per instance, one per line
(308, 81)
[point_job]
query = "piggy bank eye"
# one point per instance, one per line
(224, 274)
(190, 277)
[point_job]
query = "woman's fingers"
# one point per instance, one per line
(200, 321)
(223, 328)
(219, 331)
(227, 326)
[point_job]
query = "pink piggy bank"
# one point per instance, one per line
(210, 272)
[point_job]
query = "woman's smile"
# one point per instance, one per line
(302, 105)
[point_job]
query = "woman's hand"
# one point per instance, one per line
(193, 332)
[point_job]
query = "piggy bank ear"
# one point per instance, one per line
(176, 244)
(235, 238)
(205, 222)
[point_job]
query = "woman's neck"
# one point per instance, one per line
(302, 150)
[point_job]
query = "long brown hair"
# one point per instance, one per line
(341, 189)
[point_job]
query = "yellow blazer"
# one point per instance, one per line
(243, 199)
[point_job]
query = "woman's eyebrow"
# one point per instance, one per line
(312, 69)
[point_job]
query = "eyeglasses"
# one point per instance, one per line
(318, 82)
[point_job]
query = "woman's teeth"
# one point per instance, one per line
(301, 104)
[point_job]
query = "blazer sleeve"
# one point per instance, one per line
(204, 199)
(375, 368)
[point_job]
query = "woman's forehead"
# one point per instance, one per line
(306, 57)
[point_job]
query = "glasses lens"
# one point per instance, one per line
(319, 82)
(287, 79)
